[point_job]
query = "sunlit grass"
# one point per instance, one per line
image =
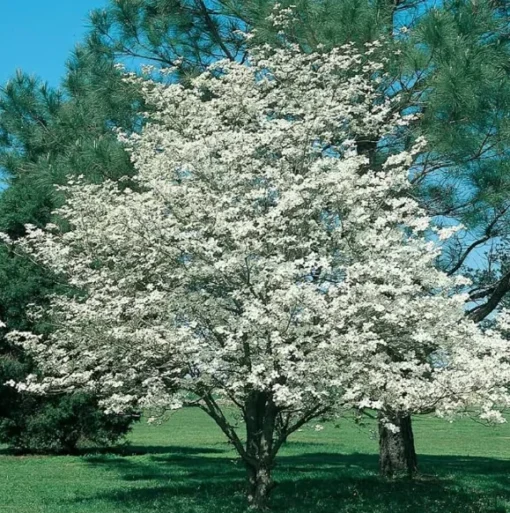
(185, 466)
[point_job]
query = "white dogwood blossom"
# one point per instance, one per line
(260, 259)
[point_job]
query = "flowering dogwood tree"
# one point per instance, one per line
(261, 264)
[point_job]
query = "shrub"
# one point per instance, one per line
(57, 424)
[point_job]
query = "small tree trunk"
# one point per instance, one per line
(260, 417)
(260, 485)
(397, 454)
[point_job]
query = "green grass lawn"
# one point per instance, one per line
(184, 466)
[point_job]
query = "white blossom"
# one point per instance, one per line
(258, 253)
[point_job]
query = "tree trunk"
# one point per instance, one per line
(397, 454)
(260, 485)
(260, 418)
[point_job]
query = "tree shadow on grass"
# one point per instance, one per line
(202, 480)
(138, 450)
(119, 450)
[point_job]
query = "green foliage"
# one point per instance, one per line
(42, 424)
(45, 136)
(194, 33)
(329, 23)
(165, 32)
(59, 424)
(465, 469)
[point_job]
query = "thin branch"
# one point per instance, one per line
(466, 253)
(213, 30)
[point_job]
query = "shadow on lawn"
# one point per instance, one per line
(194, 480)
(120, 450)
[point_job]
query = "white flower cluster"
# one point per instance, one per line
(259, 251)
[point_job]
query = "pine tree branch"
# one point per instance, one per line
(489, 232)
(481, 312)
(213, 30)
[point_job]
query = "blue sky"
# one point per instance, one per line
(38, 35)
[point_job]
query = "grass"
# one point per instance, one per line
(184, 466)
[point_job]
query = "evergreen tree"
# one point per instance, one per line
(45, 136)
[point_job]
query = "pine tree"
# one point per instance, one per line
(46, 135)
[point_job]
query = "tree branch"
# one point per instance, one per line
(488, 234)
(213, 30)
(479, 313)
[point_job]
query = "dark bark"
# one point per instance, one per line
(260, 484)
(260, 417)
(397, 454)
(266, 430)
(479, 313)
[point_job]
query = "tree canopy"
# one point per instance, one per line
(263, 259)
